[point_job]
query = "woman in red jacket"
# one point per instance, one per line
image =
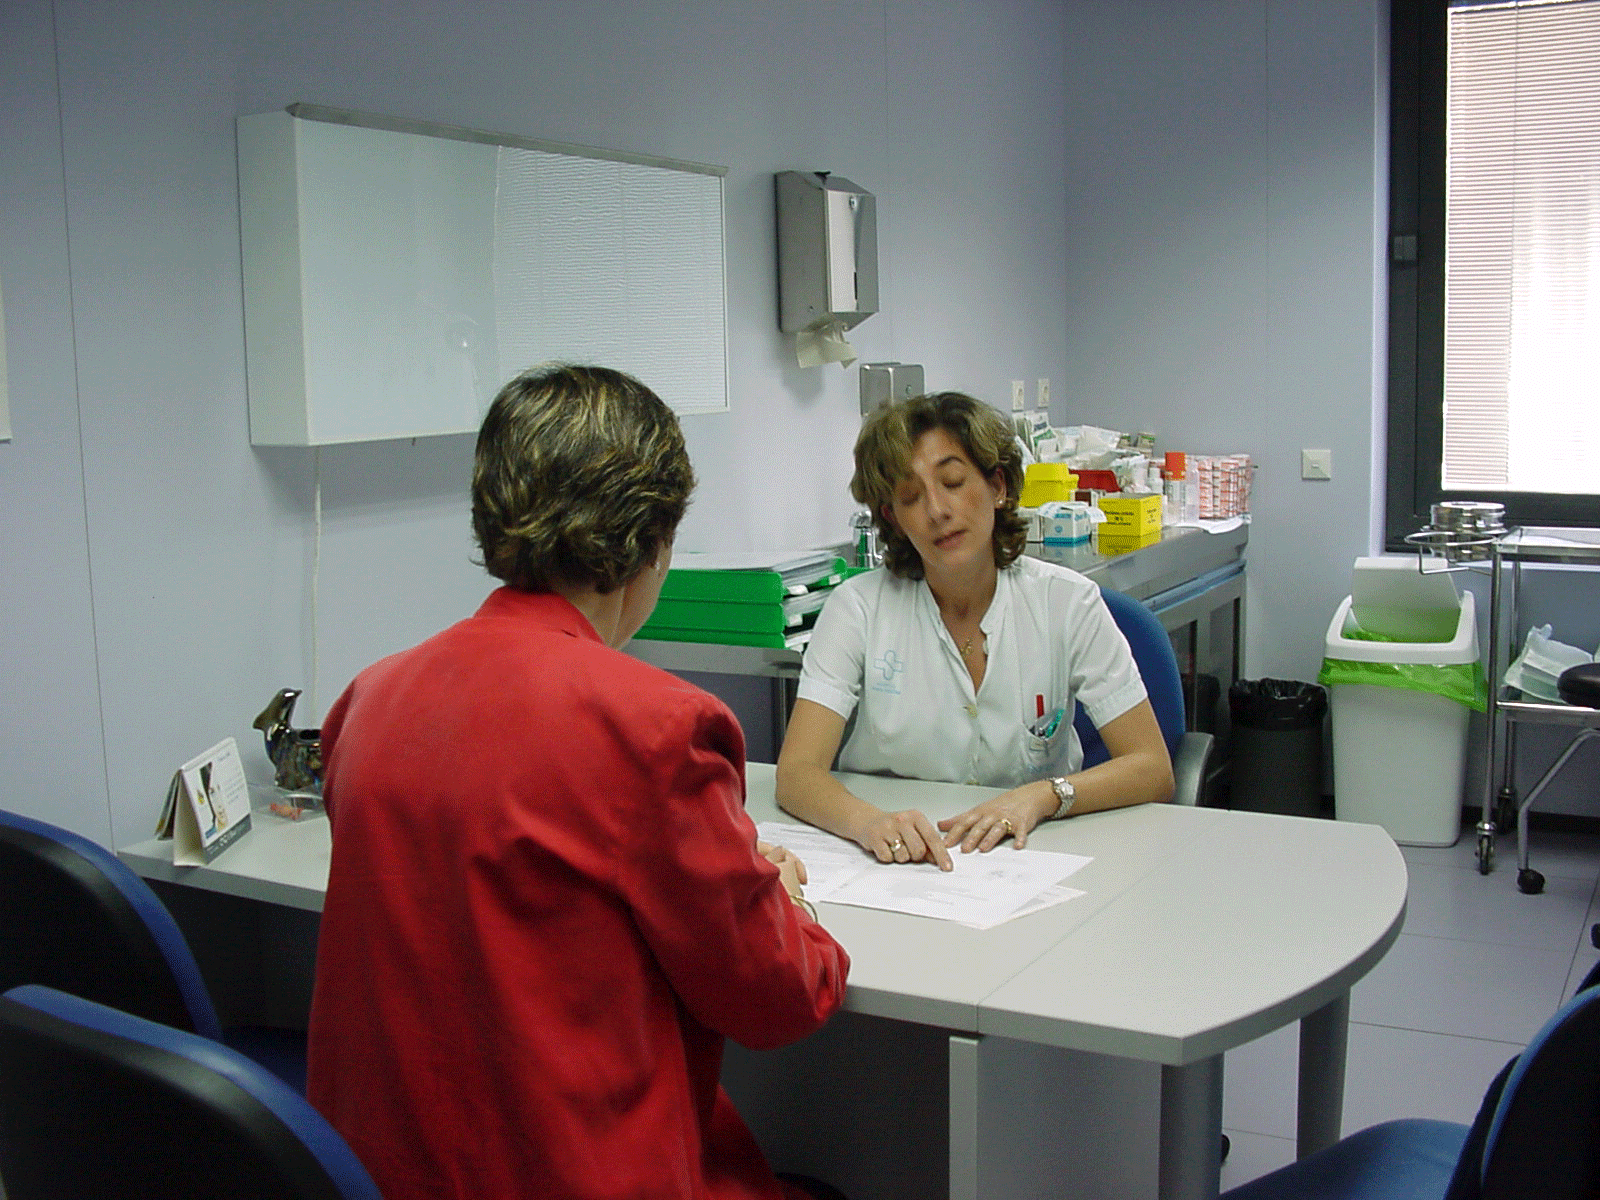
(547, 907)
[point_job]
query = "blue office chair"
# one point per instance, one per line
(1536, 1135)
(1158, 665)
(75, 917)
(95, 1102)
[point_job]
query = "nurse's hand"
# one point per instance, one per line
(904, 837)
(1011, 814)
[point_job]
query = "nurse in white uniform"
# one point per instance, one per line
(961, 660)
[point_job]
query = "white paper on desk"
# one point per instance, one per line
(982, 891)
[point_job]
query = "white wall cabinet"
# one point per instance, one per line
(395, 275)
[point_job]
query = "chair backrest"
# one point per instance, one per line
(1544, 1137)
(75, 917)
(1158, 665)
(95, 1102)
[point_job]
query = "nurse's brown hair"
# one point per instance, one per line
(580, 479)
(883, 463)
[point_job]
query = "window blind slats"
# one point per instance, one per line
(1522, 274)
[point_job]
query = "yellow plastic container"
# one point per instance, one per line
(1130, 518)
(1044, 482)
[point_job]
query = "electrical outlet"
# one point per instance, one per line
(1044, 394)
(1019, 395)
(1316, 464)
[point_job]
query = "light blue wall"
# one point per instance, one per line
(1171, 211)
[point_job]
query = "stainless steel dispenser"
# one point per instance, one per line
(827, 252)
(888, 381)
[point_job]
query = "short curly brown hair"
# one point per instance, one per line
(580, 479)
(883, 462)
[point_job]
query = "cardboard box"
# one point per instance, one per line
(1131, 517)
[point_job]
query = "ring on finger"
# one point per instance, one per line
(1005, 821)
(896, 846)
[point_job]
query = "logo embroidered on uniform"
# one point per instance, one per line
(889, 667)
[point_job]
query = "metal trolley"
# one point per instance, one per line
(1476, 542)
(1510, 708)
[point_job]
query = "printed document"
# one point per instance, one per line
(984, 890)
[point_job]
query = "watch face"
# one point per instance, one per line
(1065, 795)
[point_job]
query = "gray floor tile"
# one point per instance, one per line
(1259, 1084)
(1471, 989)
(1550, 852)
(1253, 1155)
(1394, 1073)
(1586, 955)
(1462, 854)
(1457, 902)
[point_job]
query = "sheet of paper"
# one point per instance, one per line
(982, 891)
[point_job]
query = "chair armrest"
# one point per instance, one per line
(1189, 767)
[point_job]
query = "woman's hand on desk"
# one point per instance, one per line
(806, 788)
(790, 869)
(906, 836)
(1011, 814)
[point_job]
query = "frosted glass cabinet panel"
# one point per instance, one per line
(394, 279)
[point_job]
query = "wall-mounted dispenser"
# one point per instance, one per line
(827, 262)
(884, 382)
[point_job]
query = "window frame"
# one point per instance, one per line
(1418, 81)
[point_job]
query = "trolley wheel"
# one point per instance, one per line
(1529, 882)
(1485, 853)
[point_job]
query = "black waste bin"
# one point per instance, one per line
(1277, 746)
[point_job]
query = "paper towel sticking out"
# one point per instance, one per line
(824, 344)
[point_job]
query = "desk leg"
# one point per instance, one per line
(1322, 1054)
(1191, 1130)
(963, 1117)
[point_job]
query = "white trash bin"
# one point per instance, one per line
(1400, 755)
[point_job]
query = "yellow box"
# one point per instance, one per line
(1044, 482)
(1109, 543)
(1130, 517)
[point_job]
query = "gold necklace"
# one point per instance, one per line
(966, 647)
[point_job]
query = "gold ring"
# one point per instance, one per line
(1007, 823)
(896, 846)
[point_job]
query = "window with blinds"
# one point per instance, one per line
(1522, 248)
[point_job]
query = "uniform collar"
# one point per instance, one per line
(554, 612)
(993, 618)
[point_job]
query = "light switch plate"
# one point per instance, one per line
(1019, 394)
(1316, 464)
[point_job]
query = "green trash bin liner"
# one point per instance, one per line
(1464, 683)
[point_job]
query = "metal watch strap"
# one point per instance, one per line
(1066, 796)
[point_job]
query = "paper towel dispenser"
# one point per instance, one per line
(827, 252)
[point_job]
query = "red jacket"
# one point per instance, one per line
(545, 912)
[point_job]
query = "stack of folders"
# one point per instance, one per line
(757, 599)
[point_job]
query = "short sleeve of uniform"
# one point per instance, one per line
(1101, 671)
(836, 656)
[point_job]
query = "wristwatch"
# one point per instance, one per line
(1066, 796)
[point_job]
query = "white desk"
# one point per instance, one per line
(1201, 930)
